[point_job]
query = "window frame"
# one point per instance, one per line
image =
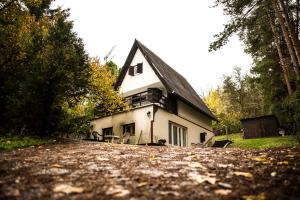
(180, 135)
(135, 70)
(129, 125)
(106, 129)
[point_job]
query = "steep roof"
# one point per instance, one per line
(173, 81)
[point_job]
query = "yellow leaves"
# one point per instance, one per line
(102, 93)
(56, 165)
(244, 174)
(261, 196)
(262, 159)
(151, 158)
(283, 163)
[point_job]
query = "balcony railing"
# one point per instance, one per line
(152, 96)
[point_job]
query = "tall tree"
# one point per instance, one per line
(270, 43)
(43, 64)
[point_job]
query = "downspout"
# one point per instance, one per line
(152, 121)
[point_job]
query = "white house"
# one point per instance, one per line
(163, 105)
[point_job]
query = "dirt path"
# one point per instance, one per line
(90, 170)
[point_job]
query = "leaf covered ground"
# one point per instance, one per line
(92, 170)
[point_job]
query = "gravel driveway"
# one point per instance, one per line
(92, 170)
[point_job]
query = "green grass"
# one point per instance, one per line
(14, 142)
(260, 143)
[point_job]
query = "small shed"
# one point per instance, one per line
(263, 126)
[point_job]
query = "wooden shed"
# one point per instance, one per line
(263, 126)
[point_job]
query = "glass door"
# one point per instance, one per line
(177, 135)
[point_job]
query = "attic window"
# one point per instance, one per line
(135, 69)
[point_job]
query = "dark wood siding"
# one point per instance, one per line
(264, 126)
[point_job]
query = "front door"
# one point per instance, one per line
(177, 135)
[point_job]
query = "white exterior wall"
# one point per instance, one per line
(141, 81)
(137, 116)
(161, 127)
(187, 112)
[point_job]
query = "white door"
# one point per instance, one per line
(177, 135)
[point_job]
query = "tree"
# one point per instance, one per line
(102, 95)
(43, 64)
(268, 30)
(238, 97)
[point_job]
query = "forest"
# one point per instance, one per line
(269, 30)
(50, 85)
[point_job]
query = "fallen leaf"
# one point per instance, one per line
(261, 196)
(102, 159)
(142, 184)
(245, 174)
(152, 158)
(56, 165)
(117, 191)
(283, 163)
(201, 178)
(222, 192)
(273, 174)
(68, 189)
(196, 165)
(225, 185)
(260, 159)
(13, 192)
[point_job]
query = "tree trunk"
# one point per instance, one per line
(287, 40)
(291, 29)
(282, 61)
(297, 18)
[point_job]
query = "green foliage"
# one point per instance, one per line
(113, 68)
(100, 100)
(238, 97)
(260, 143)
(47, 82)
(102, 97)
(249, 19)
(14, 142)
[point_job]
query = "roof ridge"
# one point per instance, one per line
(205, 108)
(171, 79)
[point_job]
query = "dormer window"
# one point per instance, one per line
(135, 69)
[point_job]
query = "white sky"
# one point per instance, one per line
(178, 31)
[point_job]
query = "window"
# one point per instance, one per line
(135, 69)
(177, 135)
(129, 128)
(202, 137)
(107, 131)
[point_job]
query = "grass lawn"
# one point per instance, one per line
(260, 143)
(13, 142)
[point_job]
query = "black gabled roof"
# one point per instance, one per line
(173, 81)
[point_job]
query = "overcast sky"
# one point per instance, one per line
(179, 31)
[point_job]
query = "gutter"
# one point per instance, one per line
(155, 108)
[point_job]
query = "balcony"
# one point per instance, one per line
(151, 96)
